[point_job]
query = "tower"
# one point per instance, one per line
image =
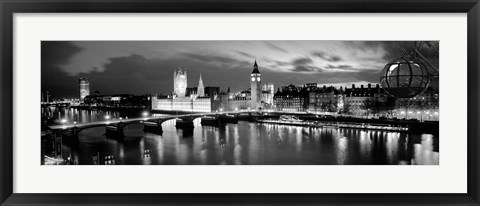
(255, 87)
(180, 82)
(200, 88)
(84, 87)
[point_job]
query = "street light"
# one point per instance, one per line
(63, 121)
(107, 117)
(145, 114)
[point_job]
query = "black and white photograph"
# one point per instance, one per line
(240, 102)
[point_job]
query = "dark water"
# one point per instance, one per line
(249, 143)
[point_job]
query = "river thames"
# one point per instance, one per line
(246, 143)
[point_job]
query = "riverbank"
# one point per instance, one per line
(111, 108)
(336, 125)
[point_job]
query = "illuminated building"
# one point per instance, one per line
(118, 100)
(201, 88)
(291, 99)
(368, 101)
(180, 82)
(84, 86)
(255, 87)
(423, 107)
(324, 99)
(268, 91)
(197, 99)
(210, 99)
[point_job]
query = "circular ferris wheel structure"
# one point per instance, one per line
(411, 73)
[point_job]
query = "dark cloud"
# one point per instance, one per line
(55, 55)
(304, 68)
(304, 64)
(136, 74)
(404, 48)
(139, 74)
(302, 61)
(133, 74)
(327, 57)
(341, 67)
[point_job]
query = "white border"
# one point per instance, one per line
(449, 176)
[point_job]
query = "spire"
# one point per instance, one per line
(200, 81)
(255, 68)
(200, 88)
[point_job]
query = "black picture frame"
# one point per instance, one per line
(10, 7)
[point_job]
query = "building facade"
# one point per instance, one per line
(186, 104)
(118, 101)
(84, 87)
(196, 99)
(180, 82)
(291, 99)
(368, 101)
(268, 91)
(424, 107)
(324, 99)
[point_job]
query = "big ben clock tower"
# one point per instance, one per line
(255, 87)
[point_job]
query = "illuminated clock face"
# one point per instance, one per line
(258, 78)
(253, 79)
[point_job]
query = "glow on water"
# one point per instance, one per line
(250, 143)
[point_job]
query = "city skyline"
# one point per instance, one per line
(112, 67)
(240, 102)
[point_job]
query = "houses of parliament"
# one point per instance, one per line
(211, 99)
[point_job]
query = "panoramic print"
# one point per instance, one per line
(240, 102)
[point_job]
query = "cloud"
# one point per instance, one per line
(58, 53)
(244, 54)
(342, 67)
(54, 56)
(149, 67)
(304, 64)
(137, 74)
(302, 61)
(275, 47)
(327, 57)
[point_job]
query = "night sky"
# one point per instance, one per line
(141, 67)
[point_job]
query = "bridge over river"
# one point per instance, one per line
(120, 128)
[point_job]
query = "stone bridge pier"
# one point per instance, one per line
(154, 126)
(122, 130)
(185, 122)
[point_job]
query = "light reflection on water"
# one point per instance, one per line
(257, 144)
